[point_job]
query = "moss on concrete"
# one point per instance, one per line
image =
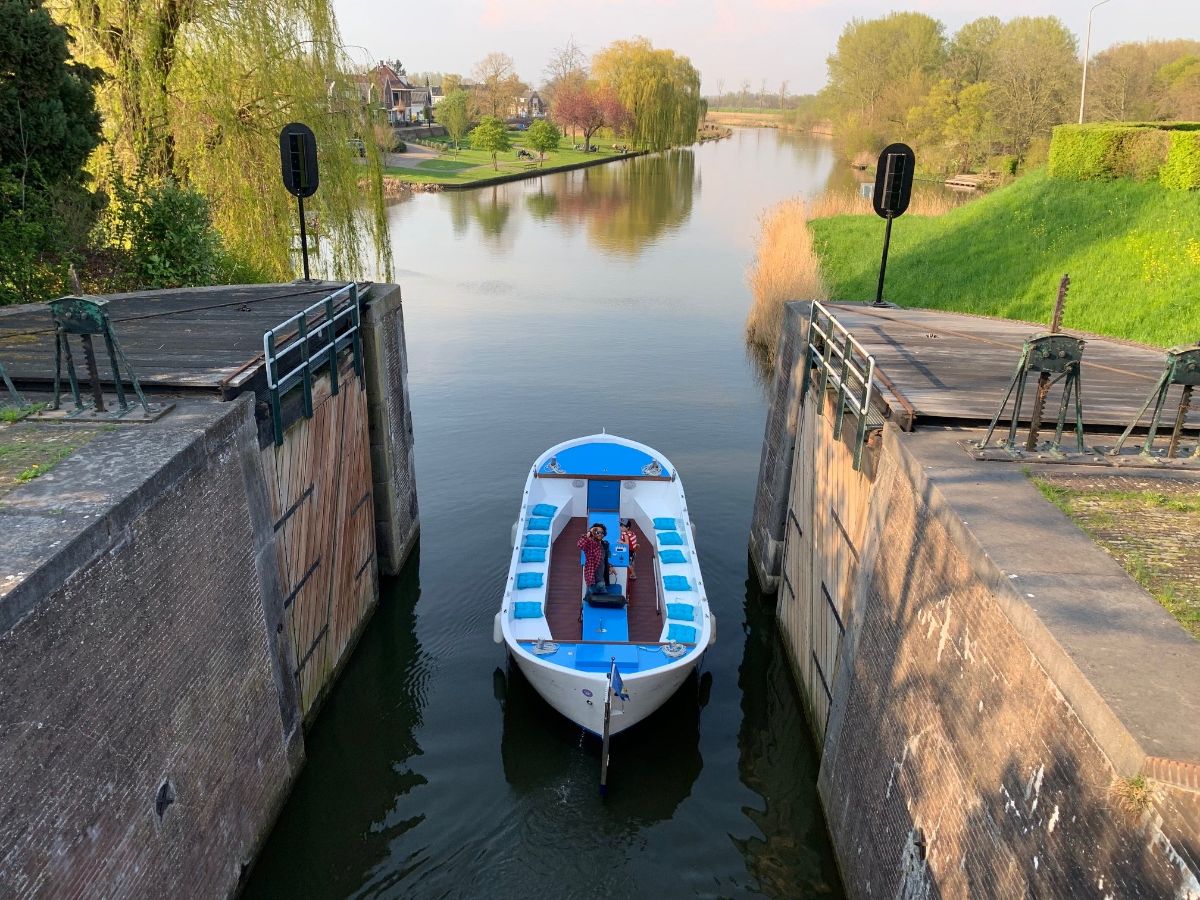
(1148, 525)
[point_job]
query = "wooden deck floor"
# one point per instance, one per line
(951, 366)
(196, 338)
(563, 603)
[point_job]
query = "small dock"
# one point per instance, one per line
(192, 339)
(950, 368)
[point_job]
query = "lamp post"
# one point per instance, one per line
(1087, 51)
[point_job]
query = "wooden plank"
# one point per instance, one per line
(953, 366)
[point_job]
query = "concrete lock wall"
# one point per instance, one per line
(395, 484)
(185, 594)
(965, 752)
(148, 729)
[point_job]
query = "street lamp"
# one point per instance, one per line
(1087, 51)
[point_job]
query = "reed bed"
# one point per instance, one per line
(851, 203)
(786, 265)
(785, 268)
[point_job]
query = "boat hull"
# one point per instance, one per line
(564, 689)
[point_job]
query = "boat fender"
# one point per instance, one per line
(712, 629)
(497, 630)
(512, 537)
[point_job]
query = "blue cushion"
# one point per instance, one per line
(683, 611)
(537, 540)
(533, 554)
(544, 509)
(683, 633)
(539, 525)
(676, 583)
(529, 580)
(527, 609)
(670, 539)
(664, 524)
(672, 556)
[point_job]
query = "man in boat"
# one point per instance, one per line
(595, 559)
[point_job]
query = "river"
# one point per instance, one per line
(612, 297)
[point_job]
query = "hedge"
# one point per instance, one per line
(1167, 152)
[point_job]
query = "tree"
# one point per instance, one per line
(491, 136)
(48, 127)
(543, 136)
(589, 107)
(883, 66)
(783, 95)
(658, 88)
(455, 115)
(567, 65)
(1035, 79)
(1180, 82)
(199, 92)
(720, 92)
(971, 55)
(498, 84)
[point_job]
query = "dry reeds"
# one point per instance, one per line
(851, 203)
(1133, 796)
(785, 268)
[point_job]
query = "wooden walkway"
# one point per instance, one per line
(195, 338)
(563, 597)
(956, 368)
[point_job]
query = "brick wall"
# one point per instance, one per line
(147, 738)
(953, 766)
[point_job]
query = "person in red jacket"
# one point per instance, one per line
(595, 559)
(629, 539)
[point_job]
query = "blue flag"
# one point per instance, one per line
(618, 686)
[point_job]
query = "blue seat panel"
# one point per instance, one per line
(605, 623)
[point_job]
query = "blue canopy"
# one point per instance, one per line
(604, 459)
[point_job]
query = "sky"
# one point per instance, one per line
(727, 40)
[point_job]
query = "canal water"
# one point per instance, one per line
(606, 298)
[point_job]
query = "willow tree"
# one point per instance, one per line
(198, 91)
(659, 88)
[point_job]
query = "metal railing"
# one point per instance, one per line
(842, 361)
(313, 338)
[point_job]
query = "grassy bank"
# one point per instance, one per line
(1132, 250)
(466, 166)
(786, 266)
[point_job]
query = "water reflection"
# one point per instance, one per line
(352, 800)
(792, 856)
(623, 207)
(547, 759)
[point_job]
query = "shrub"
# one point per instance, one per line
(161, 235)
(399, 147)
(1141, 151)
(1181, 172)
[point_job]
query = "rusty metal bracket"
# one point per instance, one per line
(1058, 358)
(1182, 367)
(86, 317)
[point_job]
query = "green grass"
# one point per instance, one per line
(445, 165)
(467, 165)
(11, 414)
(1132, 251)
(1104, 515)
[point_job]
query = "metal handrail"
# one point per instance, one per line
(840, 359)
(338, 309)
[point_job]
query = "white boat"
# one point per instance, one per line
(567, 646)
